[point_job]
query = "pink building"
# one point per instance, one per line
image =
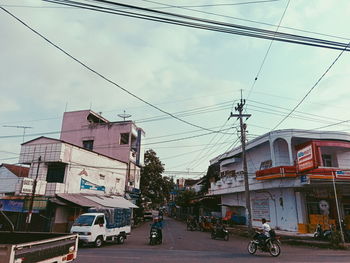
(120, 140)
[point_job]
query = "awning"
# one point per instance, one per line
(78, 199)
(112, 201)
(97, 201)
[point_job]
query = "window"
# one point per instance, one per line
(265, 164)
(99, 220)
(88, 145)
(124, 138)
(327, 160)
(55, 172)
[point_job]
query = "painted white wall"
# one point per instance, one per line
(257, 155)
(281, 152)
(81, 164)
(283, 217)
(343, 159)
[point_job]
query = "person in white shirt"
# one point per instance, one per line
(266, 229)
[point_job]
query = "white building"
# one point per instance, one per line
(291, 173)
(67, 168)
(69, 180)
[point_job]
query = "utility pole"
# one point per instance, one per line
(243, 126)
(31, 203)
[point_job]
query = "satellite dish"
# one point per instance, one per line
(124, 116)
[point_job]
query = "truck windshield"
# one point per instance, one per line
(84, 221)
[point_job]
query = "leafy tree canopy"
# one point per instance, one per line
(154, 187)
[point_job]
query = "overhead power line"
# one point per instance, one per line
(102, 76)
(200, 23)
(313, 87)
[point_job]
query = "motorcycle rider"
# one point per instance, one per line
(266, 231)
(158, 225)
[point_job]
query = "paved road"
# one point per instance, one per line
(183, 246)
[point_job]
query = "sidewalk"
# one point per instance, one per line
(293, 238)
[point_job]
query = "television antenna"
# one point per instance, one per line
(124, 116)
(19, 127)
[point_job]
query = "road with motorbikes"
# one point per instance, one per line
(180, 245)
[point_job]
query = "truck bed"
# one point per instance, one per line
(14, 238)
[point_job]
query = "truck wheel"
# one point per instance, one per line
(120, 240)
(98, 242)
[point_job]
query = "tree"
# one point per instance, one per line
(154, 187)
(184, 198)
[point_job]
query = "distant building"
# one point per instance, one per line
(9, 174)
(296, 178)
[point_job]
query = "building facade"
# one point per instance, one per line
(297, 179)
(118, 140)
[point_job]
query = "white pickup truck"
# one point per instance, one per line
(28, 247)
(105, 225)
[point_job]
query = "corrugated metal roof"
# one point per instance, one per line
(86, 200)
(78, 199)
(112, 201)
(19, 171)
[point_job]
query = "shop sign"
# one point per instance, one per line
(305, 158)
(11, 205)
(304, 179)
(342, 174)
(261, 209)
(85, 184)
(27, 186)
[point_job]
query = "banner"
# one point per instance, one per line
(85, 184)
(261, 209)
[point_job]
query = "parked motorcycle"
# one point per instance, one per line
(155, 236)
(192, 225)
(220, 232)
(271, 244)
(323, 234)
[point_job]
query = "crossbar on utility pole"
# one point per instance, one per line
(243, 126)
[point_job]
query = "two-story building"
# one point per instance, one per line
(297, 178)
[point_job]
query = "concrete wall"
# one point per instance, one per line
(277, 206)
(343, 159)
(257, 155)
(8, 181)
(106, 136)
(80, 164)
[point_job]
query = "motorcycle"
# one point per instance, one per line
(271, 244)
(323, 234)
(192, 225)
(220, 232)
(155, 236)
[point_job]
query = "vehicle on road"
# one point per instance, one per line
(323, 234)
(155, 236)
(18, 247)
(220, 232)
(271, 244)
(101, 225)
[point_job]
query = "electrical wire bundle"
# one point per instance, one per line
(198, 23)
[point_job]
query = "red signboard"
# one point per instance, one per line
(305, 158)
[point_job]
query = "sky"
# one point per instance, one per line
(155, 71)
